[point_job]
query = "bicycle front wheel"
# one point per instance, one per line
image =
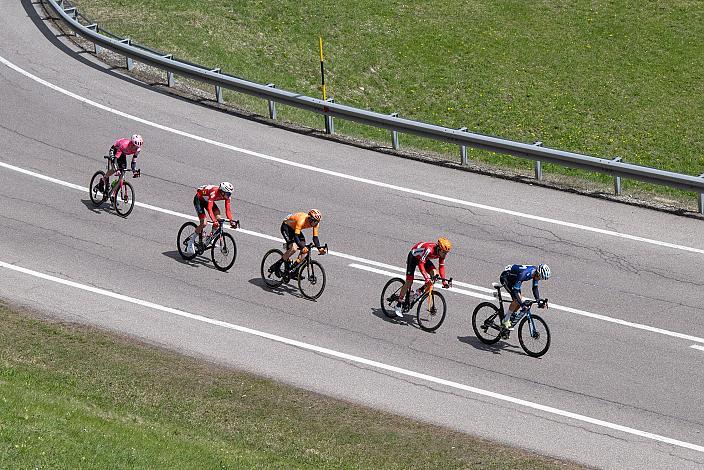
(311, 280)
(224, 252)
(186, 231)
(97, 197)
(124, 199)
(486, 323)
(535, 338)
(431, 311)
(270, 278)
(389, 296)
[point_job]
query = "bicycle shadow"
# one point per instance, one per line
(196, 262)
(104, 207)
(283, 289)
(407, 320)
(496, 348)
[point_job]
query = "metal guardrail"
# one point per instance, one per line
(535, 151)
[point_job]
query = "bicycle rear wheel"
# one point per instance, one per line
(431, 315)
(186, 231)
(534, 341)
(486, 323)
(389, 296)
(97, 197)
(311, 280)
(124, 199)
(224, 252)
(270, 278)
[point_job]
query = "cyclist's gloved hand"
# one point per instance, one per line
(235, 224)
(304, 250)
(445, 284)
(216, 224)
(542, 303)
(136, 173)
(322, 250)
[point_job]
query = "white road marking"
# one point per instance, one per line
(357, 359)
(696, 346)
(375, 263)
(346, 176)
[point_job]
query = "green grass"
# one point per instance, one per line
(598, 77)
(76, 397)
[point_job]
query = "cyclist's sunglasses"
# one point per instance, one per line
(227, 194)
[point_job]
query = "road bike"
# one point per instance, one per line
(431, 304)
(533, 332)
(121, 192)
(309, 273)
(223, 249)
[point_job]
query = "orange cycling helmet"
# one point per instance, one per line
(315, 215)
(444, 244)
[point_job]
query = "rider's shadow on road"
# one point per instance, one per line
(406, 321)
(195, 262)
(496, 348)
(104, 207)
(283, 289)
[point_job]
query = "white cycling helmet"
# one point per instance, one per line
(137, 140)
(226, 187)
(544, 272)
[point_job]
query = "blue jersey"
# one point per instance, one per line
(513, 276)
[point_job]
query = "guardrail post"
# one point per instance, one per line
(218, 89)
(617, 180)
(537, 165)
(700, 199)
(169, 75)
(130, 65)
(394, 134)
(94, 27)
(463, 149)
(71, 11)
(272, 105)
(329, 123)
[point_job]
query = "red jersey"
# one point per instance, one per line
(208, 194)
(424, 251)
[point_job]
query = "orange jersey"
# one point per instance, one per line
(298, 221)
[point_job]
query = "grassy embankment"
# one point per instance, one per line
(602, 78)
(75, 397)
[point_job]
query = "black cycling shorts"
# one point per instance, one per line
(201, 206)
(290, 235)
(412, 264)
(508, 281)
(120, 163)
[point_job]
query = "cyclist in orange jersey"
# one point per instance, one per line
(292, 231)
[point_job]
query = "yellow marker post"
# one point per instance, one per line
(322, 68)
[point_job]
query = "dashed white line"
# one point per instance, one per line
(359, 360)
(346, 176)
(696, 346)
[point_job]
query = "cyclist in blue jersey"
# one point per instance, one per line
(512, 277)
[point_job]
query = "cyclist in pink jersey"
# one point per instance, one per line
(119, 152)
(420, 256)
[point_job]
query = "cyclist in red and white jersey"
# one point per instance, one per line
(420, 256)
(204, 201)
(119, 152)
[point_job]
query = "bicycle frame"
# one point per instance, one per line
(520, 315)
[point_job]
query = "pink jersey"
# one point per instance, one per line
(209, 194)
(125, 147)
(424, 251)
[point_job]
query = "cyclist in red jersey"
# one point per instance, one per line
(420, 256)
(119, 152)
(204, 201)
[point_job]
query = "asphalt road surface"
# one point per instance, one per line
(620, 387)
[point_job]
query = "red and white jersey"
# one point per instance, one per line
(210, 193)
(424, 251)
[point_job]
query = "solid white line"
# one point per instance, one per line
(696, 346)
(555, 306)
(375, 263)
(359, 360)
(345, 176)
